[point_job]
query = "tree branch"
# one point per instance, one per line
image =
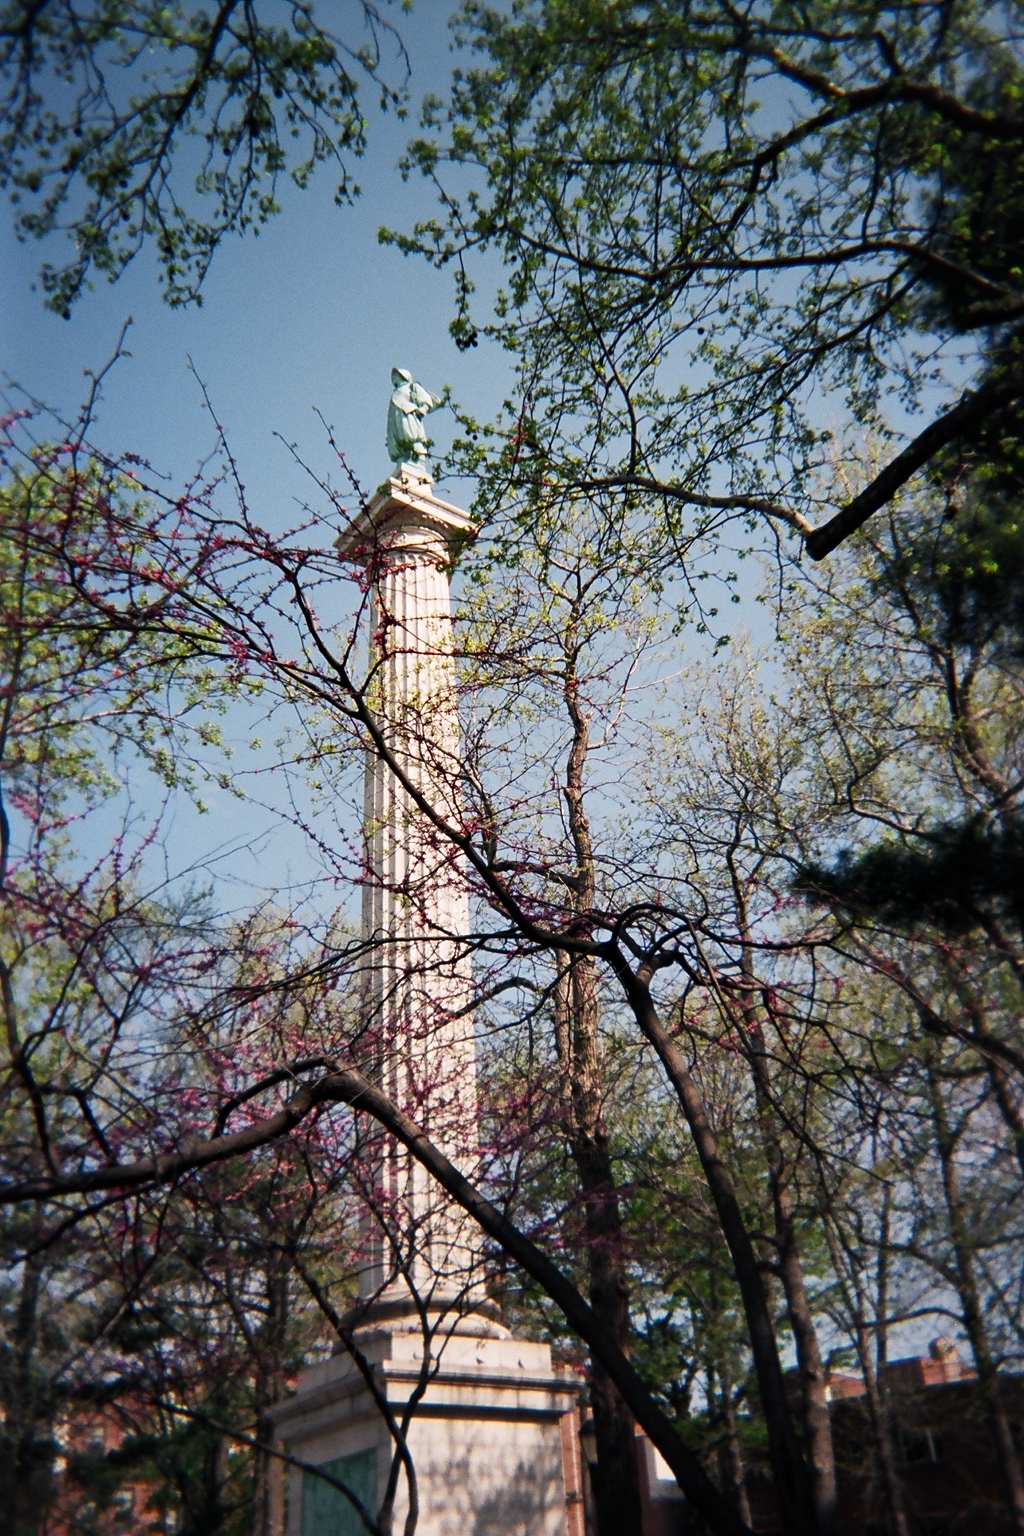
(350, 1087)
(971, 409)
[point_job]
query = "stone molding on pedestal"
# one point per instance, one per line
(488, 1439)
(404, 514)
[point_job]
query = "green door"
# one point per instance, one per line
(325, 1509)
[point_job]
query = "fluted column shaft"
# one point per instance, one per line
(415, 903)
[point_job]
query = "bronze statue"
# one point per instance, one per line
(407, 438)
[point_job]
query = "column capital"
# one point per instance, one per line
(405, 517)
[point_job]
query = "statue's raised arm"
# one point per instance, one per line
(407, 437)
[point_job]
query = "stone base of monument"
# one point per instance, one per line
(494, 1440)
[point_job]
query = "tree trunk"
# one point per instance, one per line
(269, 1390)
(616, 1475)
(811, 1366)
(734, 1453)
(793, 1486)
(21, 1449)
(577, 1023)
(879, 1412)
(885, 1442)
(735, 1469)
(966, 1283)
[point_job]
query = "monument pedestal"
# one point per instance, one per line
(493, 1440)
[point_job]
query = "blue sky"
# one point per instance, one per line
(313, 312)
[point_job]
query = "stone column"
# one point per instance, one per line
(415, 906)
(493, 1438)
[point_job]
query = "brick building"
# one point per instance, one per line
(946, 1464)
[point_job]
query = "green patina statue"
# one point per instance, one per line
(407, 437)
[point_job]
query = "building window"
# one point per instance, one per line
(934, 1525)
(921, 1445)
(123, 1506)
